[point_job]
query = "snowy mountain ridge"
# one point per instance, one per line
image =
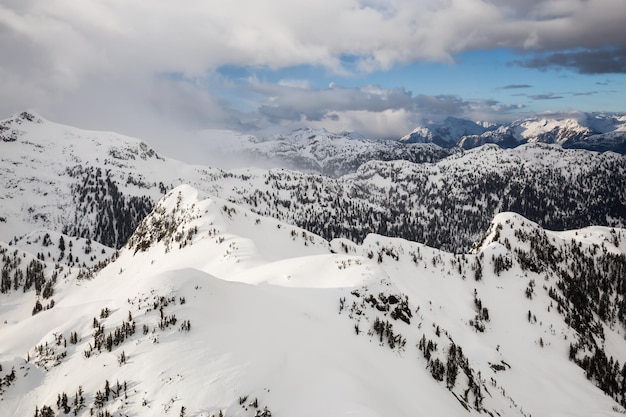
(323, 152)
(255, 292)
(593, 131)
(211, 309)
(337, 154)
(447, 132)
(100, 185)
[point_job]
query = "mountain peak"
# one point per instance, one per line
(29, 116)
(445, 133)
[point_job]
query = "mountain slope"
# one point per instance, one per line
(100, 186)
(96, 185)
(449, 204)
(213, 309)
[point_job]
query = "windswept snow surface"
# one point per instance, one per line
(243, 315)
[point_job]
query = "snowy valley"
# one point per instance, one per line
(137, 285)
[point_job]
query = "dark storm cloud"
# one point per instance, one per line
(604, 61)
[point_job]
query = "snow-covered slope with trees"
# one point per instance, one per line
(211, 309)
(449, 204)
(100, 185)
(97, 185)
(256, 292)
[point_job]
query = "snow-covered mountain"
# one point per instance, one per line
(323, 152)
(100, 185)
(211, 309)
(257, 292)
(337, 154)
(592, 131)
(447, 132)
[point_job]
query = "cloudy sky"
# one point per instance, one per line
(380, 67)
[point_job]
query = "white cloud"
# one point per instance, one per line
(370, 110)
(390, 123)
(296, 103)
(56, 51)
(198, 35)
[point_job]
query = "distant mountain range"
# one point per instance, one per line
(337, 154)
(591, 131)
(324, 152)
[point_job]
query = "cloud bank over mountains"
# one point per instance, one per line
(160, 62)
